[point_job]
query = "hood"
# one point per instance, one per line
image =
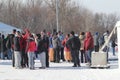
(88, 35)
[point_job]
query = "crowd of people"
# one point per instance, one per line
(24, 47)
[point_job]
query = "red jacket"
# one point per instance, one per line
(27, 34)
(31, 46)
(88, 42)
(24, 42)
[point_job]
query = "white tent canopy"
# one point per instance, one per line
(7, 29)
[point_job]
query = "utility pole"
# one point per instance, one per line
(57, 14)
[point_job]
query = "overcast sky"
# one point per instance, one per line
(104, 6)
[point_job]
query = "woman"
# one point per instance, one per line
(31, 47)
(88, 46)
(67, 53)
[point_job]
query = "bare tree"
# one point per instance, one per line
(37, 15)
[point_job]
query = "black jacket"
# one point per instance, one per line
(3, 45)
(113, 44)
(17, 44)
(42, 46)
(73, 43)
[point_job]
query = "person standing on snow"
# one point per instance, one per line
(74, 45)
(56, 46)
(67, 53)
(113, 45)
(61, 37)
(45, 38)
(83, 55)
(41, 50)
(17, 50)
(31, 48)
(106, 49)
(88, 46)
(96, 42)
(9, 45)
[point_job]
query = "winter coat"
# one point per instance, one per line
(96, 40)
(101, 40)
(10, 41)
(3, 45)
(61, 37)
(73, 43)
(64, 44)
(27, 34)
(113, 44)
(31, 46)
(23, 43)
(50, 42)
(41, 46)
(88, 42)
(17, 43)
(46, 42)
(56, 42)
(106, 35)
(82, 37)
(8, 45)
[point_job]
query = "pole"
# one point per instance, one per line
(57, 11)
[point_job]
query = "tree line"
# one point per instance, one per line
(37, 15)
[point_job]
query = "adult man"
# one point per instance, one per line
(106, 35)
(9, 45)
(74, 45)
(61, 37)
(17, 50)
(56, 46)
(45, 38)
(96, 42)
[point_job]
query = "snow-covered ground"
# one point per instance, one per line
(60, 71)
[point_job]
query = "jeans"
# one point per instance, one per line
(83, 56)
(88, 55)
(2, 55)
(9, 53)
(42, 57)
(17, 55)
(113, 50)
(31, 57)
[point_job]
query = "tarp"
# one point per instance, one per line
(7, 29)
